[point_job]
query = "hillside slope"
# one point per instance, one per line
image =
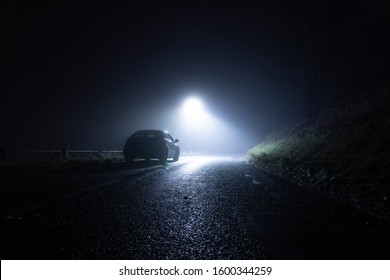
(343, 152)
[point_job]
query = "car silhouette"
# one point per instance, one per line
(151, 144)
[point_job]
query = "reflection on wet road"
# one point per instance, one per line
(202, 207)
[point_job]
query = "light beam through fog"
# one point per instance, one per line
(200, 131)
(193, 108)
(191, 120)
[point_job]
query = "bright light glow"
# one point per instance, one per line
(194, 114)
(200, 130)
(203, 123)
(194, 163)
(193, 106)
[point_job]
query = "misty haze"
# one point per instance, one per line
(195, 130)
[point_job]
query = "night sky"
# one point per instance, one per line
(88, 75)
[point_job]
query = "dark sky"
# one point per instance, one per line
(91, 74)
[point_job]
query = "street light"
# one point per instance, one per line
(195, 114)
(201, 130)
(192, 106)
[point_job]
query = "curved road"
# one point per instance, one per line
(202, 207)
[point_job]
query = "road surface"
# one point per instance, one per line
(202, 207)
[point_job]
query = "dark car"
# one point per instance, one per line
(151, 144)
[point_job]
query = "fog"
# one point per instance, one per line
(81, 76)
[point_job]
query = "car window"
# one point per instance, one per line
(151, 135)
(145, 135)
(170, 137)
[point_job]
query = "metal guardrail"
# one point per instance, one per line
(53, 154)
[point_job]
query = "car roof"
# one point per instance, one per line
(146, 131)
(151, 132)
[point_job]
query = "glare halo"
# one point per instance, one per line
(193, 105)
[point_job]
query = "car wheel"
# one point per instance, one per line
(128, 158)
(176, 157)
(164, 156)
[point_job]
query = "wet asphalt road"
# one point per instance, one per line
(198, 208)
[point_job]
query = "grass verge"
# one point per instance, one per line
(343, 152)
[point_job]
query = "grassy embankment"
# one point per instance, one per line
(343, 152)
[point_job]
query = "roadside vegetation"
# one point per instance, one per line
(343, 152)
